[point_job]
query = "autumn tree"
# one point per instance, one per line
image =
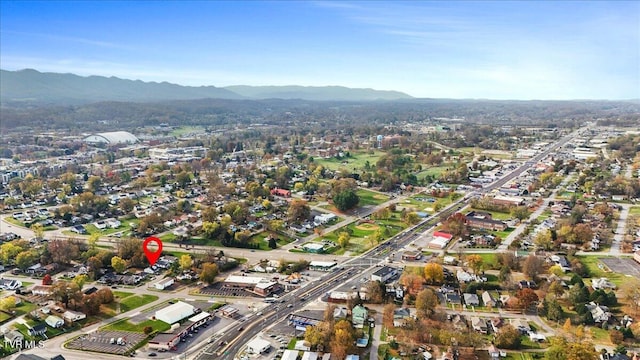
(562, 349)
(411, 218)
(543, 240)
(456, 224)
(298, 211)
(433, 273)
(387, 315)
(186, 262)
(343, 339)
(66, 292)
(8, 303)
(63, 251)
(131, 249)
(412, 282)
(475, 263)
(343, 239)
(80, 280)
(209, 273)
(25, 259)
(526, 298)
(508, 337)
(375, 290)
(47, 280)
(532, 266)
(118, 264)
(426, 303)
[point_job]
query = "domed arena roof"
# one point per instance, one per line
(113, 137)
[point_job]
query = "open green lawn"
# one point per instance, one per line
(183, 130)
(168, 237)
(25, 308)
(125, 325)
(4, 317)
(489, 259)
(360, 241)
(259, 239)
(357, 160)
(132, 302)
(122, 294)
(371, 198)
(434, 171)
(124, 226)
(496, 215)
(599, 335)
(597, 269)
(635, 210)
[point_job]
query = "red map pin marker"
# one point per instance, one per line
(152, 256)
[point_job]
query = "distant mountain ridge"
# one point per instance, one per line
(33, 87)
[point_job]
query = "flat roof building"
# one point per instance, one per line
(175, 312)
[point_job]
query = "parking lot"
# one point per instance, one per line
(622, 266)
(101, 341)
(218, 289)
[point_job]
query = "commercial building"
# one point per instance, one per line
(258, 346)
(257, 285)
(322, 265)
(440, 240)
(175, 312)
(384, 273)
(484, 220)
(164, 283)
(169, 341)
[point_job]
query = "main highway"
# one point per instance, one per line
(225, 347)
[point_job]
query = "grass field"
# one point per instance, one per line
(125, 325)
(360, 241)
(433, 171)
(371, 198)
(355, 162)
(183, 130)
(635, 210)
(133, 302)
(595, 271)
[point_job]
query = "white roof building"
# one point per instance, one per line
(289, 355)
(258, 346)
(113, 137)
(176, 312)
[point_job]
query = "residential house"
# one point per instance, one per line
(602, 284)
(42, 290)
(599, 313)
(14, 337)
(54, 321)
(340, 313)
(453, 298)
(479, 325)
(526, 284)
(9, 284)
(495, 324)
(359, 316)
(471, 299)
(521, 325)
(400, 316)
(73, 316)
(38, 329)
(488, 299)
(494, 353)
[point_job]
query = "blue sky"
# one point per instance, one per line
(494, 50)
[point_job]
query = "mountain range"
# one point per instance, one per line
(42, 88)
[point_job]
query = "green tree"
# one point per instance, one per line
(412, 218)
(38, 230)
(520, 212)
(210, 229)
(346, 199)
(8, 303)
